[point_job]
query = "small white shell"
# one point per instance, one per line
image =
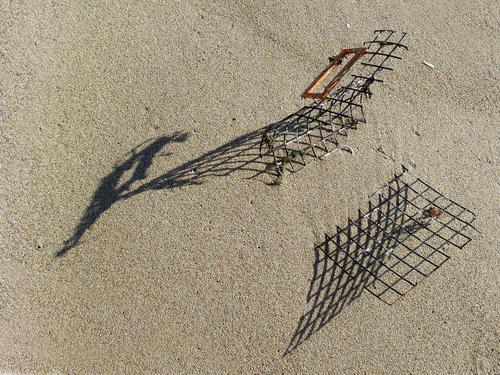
(429, 65)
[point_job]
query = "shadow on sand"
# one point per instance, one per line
(343, 268)
(240, 154)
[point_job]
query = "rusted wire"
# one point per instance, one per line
(313, 131)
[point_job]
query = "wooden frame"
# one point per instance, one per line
(336, 61)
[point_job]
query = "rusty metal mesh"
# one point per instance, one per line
(401, 237)
(315, 130)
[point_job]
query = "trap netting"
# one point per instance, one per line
(400, 238)
(315, 130)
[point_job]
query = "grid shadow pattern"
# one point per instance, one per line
(398, 240)
(316, 130)
(402, 237)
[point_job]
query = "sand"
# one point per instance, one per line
(210, 274)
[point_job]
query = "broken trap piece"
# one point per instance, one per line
(316, 130)
(400, 238)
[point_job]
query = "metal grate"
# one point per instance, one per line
(401, 238)
(314, 131)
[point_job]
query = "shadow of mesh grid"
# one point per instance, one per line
(399, 239)
(317, 129)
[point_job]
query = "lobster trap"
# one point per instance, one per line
(400, 238)
(315, 130)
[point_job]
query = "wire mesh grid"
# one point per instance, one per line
(401, 237)
(315, 130)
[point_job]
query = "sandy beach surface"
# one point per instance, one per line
(131, 243)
